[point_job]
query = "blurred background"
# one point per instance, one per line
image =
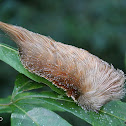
(98, 26)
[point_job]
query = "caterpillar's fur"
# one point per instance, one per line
(90, 81)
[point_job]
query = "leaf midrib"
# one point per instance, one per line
(112, 115)
(9, 48)
(26, 114)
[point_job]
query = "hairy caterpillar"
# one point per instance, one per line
(90, 81)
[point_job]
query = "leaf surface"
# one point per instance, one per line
(29, 115)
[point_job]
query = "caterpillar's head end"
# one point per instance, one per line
(105, 88)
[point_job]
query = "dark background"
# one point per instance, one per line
(98, 26)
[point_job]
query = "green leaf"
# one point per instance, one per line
(4, 105)
(23, 83)
(29, 115)
(11, 57)
(112, 113)
(38, 100)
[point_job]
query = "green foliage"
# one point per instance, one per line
(35, 116)
(29, 107)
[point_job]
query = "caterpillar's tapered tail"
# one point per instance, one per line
(90, 81)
